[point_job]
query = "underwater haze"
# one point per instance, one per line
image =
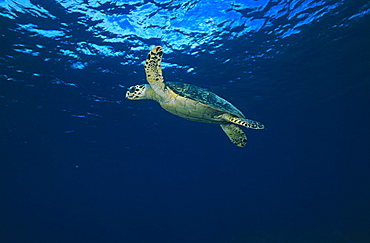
(81, 163)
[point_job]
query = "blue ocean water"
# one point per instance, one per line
(80, 163)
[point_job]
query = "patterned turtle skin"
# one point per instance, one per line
(190, 102)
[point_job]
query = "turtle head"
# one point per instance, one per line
(138, 92)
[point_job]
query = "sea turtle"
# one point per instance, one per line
(189, 101)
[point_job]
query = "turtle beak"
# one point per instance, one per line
(130, 93)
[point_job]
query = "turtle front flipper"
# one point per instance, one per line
(153, 70)
(243, 121)
(235, 133)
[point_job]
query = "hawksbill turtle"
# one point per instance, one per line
(190, 102)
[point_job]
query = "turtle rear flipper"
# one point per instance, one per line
(243, 121)
(235, 133)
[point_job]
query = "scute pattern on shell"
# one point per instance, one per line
(203, 96)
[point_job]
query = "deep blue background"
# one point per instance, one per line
(80, 163)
